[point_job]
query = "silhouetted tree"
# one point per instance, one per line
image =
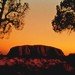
(65, 16)
(12, 13)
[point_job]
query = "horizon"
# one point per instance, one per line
(36, 45)
(38, 29)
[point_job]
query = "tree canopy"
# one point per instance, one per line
(12, 13)
(65, 16)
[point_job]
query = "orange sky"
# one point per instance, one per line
(38, 29)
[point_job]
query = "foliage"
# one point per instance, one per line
(12, 13)
(65, 16)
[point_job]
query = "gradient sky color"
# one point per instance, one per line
(38, 29)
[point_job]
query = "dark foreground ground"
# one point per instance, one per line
(21, 66)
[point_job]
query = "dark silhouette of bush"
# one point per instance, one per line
(71, 59)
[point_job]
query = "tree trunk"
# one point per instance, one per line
(2, 9)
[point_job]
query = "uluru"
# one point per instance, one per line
(35, 51)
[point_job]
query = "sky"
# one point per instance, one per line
(38, 29)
